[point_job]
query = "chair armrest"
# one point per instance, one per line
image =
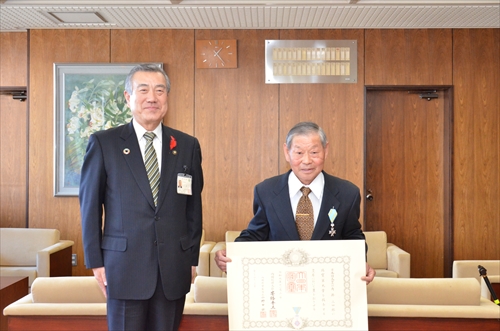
(210, 290)
(214, 269)
(57, 254)
(398, 260)
(203, 268)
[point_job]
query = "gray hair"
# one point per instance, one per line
(145, 67)
(303, 129)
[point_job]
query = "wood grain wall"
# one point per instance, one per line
(237, 122)
(46, 48)
(338, 108)
(408, 57)
(413, 58)
(13, 131)
(476, 197)
(241, 121)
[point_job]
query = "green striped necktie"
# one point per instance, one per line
(151, 163)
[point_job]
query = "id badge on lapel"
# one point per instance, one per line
(184, 183)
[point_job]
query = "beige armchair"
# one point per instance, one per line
(34, 253)
(203, 268)
(469, 269)
(387, 259)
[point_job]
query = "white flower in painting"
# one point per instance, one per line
(96, 117)
(74, 101)
(113, 107)
(73, 125)
(83, 112)
(86, 132)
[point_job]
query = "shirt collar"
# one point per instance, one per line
(140, 131)
(316, 186)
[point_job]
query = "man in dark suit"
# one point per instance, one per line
(144, 253)
(335, 202)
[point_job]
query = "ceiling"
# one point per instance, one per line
(20, 15)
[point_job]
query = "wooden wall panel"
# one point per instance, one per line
(237, 124)
(408, 57)
(13, 131)
(13, 59)
(476, 74)
(241, 121)
(46, 48)
(337, 108)
(173, 48)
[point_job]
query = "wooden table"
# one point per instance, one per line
(11, 289)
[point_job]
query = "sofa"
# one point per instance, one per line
(393, 304)
(62, 303)
(77, 303)
(208, 296)
(469, 269)
(387, 259)
(34, 253)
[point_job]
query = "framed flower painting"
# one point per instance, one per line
(88, 98)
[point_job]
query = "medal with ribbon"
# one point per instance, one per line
(332, 214)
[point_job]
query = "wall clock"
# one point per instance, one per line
(216, 54)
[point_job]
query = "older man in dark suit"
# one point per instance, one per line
(278, 214)
(144, 253)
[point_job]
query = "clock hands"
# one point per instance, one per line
(217, 54)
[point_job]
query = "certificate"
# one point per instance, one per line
(297, 285)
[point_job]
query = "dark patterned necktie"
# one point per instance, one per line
(304, 217)
(151, 162)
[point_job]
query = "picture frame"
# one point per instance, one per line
(88, 97)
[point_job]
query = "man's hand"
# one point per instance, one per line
(221, 260)
(100, 275)
(370, 274)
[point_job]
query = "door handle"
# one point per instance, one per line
(369, 196)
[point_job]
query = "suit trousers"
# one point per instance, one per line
(155, 314)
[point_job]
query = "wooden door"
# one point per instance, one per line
(407, 168)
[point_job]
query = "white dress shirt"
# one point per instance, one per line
(157, 141)
(317, 186)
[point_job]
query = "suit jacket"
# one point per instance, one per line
(137, 240)
(273, 216)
